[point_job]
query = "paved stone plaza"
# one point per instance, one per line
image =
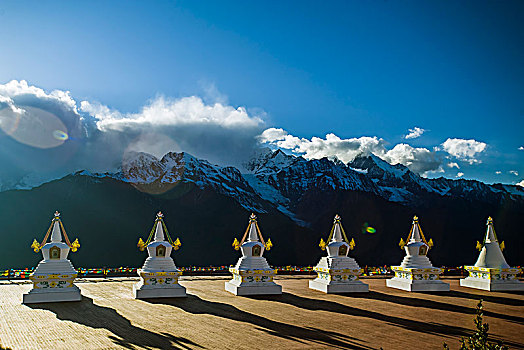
(210, 318)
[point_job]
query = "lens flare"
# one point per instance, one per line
(33, 126)
(60, 135)
(366, 229)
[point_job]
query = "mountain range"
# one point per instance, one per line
(207, 206)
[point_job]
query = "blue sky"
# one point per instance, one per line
(307, 69)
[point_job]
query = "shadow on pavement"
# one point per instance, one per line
(89, 314)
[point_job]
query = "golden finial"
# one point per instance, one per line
(322, 244)
(269, 244)
(141, 245)
(177, 244)
(236, 244)
(479, 246)
(415, 218)
(36, 246)
(490, 221)
(352, 244)
(75, 245)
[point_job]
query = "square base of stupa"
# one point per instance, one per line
(338, 281)
(492, 279)
(147, 292)
(348, 287)
(417, 280)
(55, 296)
(253, 288)
(417, 286)
(160, 284)
(52, 288)
(253, 282)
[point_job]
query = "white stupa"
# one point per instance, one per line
(415, 273)
(491, 271)
(159, 275)
(337, 272)
(252, 274)
(54, 276)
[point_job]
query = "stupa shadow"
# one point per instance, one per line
(195, 305)
(126, 335)
(488, 298)
(330, 306)
(431, 304)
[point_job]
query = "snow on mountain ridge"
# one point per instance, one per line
(183, 167)
(282, 180)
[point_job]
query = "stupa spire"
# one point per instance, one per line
(159, 231)
(55, 230)
(416, 232)
(253, 234)
(337, 231)
(337, 234)
(56, 235)
(490, 251)
(157, 234)
(490, 232)
(415, 235)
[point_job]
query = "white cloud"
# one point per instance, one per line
(281, 138)
(99, 111)
(440, 170)
(460, 174)
(344, 149)
(465, 150)
(520, 183)
(453, 165)
(521, 148)
(514, 172)
(16, 88)
(220, 133)
(419, 160)
(164, 111)
(498, 172)
(415, 133)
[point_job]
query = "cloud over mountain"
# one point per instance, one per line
(51, 132)
(217, 132)
(419, 160)
(90, 135)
